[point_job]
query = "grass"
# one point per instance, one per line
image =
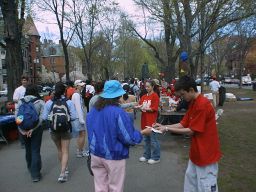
(237, 129)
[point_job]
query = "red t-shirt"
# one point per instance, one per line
(149, 101)
(205, 145)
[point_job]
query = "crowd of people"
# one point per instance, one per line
(108, 125)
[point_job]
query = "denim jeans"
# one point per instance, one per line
(151, 142)
(33, 156)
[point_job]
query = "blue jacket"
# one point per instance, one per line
(111, 132)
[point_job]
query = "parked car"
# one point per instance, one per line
(4, 92)
(247, 80)
(235, 81)
(47, 89)
(229, 80)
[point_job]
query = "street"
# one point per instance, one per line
(163, 177)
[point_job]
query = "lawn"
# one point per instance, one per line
(237, 129)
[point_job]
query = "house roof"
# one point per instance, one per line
(29, 27)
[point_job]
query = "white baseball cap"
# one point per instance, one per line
(79, 83)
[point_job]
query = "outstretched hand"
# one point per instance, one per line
(155, 125)
(146, 131)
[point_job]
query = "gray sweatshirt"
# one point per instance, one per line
(39, 106)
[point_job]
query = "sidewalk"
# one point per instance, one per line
(163, 177)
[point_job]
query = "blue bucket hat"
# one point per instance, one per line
(184, 56)
(112, 89)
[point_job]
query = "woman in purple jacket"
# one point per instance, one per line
(110, 133)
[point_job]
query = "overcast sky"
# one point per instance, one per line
(48, 29)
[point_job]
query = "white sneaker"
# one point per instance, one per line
(66, 171)
(63, 178)
(143, 159)
(152, 161)
(85, 153)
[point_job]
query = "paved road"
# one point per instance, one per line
(163, 177)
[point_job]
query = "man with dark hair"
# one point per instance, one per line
(199, 122)
(20, 91)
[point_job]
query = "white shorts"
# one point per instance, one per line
(201, 179)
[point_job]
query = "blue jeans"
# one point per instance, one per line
(33, 156)
(151, 142)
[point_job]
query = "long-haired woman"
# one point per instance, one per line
(61, 138)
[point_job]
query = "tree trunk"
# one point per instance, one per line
(13, 32)
(65, 50)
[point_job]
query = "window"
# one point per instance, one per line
(2, 52)
(53, 51)
(37, 49)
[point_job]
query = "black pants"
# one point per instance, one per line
(33, 156)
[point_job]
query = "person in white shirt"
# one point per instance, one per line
(214, 87)
(20, 91)
(88, 93)
(18, 94)
(79, 124)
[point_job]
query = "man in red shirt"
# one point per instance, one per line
(70, 90)
(199, 122)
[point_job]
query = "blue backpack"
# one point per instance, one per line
(27, 115)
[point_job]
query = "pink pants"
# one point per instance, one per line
(109, 175)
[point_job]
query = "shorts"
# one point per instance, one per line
(77, 127)
(57, 136)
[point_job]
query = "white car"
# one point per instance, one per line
(246, 80)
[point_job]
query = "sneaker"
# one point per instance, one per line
(79, 153)
(85, 153)
(143, 159)
(62, 178)
(36, 179)
(66, 171)
(152, 161)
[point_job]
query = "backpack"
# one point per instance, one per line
(27, 117)
(60, 116)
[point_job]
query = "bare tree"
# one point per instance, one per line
(194, 22)
(13, 12)
(59, 9)
(84, 17)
